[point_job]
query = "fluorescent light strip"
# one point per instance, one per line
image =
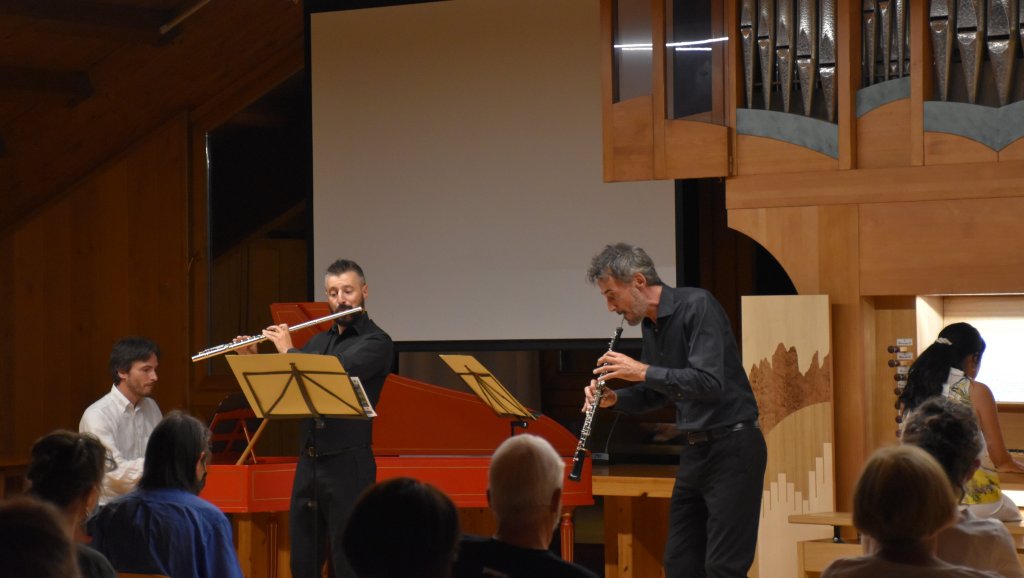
(696, 42)
(677, 45)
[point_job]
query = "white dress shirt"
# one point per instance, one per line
(124, 429)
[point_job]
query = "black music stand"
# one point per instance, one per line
(490, 391)
(298, 385)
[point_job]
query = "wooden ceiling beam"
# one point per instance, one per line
(90, 18)
(74, 85)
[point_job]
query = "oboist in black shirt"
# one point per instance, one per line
(337, 449)
(690, 360)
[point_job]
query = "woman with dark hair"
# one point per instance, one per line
(948, 431)
(948, 367)
(164, 527)
(67, 471)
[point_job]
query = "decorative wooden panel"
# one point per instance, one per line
(942, 149)
(631, 142)
(950, 247)
(758, 155)
(695, 149)
(1013, 151)
(883, 136)
(787, 353)
(894, 318)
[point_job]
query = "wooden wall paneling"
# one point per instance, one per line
(883, 136)
(695, 149)
(101, 235)
(1011, 422)
(1013, 151)
(632, 140)
(921, 77)
(894, 317)
(116, 242)
(757, 155)
(41, 324)
(838, 261)
(158, 186)
(7, 309)
(284, 262)
(887, 185)
(212, 52)
(942, 247)
(790, 234)
(943, 149)
(848, 43)
(659, 115)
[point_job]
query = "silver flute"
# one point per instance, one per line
(581, 447)
(220, 349)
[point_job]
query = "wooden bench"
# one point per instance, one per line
(814, 555)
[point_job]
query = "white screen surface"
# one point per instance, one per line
(457, 158)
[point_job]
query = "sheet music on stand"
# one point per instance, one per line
(298, 385)
(487, 387)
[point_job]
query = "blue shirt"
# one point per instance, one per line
(169, 532)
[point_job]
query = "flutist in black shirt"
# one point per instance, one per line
(690, 360)
(335, 459)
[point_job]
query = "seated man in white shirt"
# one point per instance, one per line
(124, 418)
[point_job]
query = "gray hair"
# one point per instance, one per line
(524, 473)
(621, 261)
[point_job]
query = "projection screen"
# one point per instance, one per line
(457, 157)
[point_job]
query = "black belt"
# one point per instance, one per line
(699, 437)
(312, 452)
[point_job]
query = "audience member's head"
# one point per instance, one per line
(948, 431)
(902, 497)
(67, 470)
(176, 454)
(402, 528)
(34, 542)
(525, 483)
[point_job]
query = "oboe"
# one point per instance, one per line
(581, 447)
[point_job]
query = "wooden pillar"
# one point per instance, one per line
(839, 278)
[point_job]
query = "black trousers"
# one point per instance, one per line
(716, 506)
(321, 503)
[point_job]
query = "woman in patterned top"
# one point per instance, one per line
(948, 367)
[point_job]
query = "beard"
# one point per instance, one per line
(347, 320)
(637, 309)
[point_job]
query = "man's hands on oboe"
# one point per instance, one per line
(608, 399)
(615, 365)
